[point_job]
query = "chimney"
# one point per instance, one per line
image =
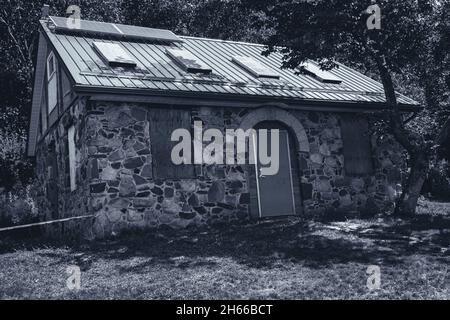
(45, 11)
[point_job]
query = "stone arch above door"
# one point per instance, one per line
(277, 114)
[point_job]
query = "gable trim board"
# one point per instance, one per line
(39, 80)
(227, 85)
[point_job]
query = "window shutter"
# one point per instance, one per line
(163, 121)
(66, 89)
(52, 94)
(357, 149)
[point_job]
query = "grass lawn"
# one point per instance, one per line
(278, 259)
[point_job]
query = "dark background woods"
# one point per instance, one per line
(18, 44)
(417, 36)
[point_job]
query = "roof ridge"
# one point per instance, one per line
(221, 40)
(112, 29)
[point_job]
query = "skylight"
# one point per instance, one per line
(320, 74)
(114, 54)
(255, 67)
(188, 61)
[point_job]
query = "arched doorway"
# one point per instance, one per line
(280, 194)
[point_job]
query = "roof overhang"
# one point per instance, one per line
(229, 100)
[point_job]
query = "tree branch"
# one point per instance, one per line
(395, 117)
(13, 38)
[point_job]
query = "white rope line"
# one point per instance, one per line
(44, 223)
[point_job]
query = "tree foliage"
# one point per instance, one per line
(411, 46)
(224, 19)
(410, 52)
(221, 19)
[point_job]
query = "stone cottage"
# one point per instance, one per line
(107, 98)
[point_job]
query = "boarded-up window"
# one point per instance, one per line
(163, 121)
(357, 149)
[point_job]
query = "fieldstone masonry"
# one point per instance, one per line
(115, 179)
(69, 203)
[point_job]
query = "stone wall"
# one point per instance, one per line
(123, 193)
(325, 187)
(116, 184)
(70, 203)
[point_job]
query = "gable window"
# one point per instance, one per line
(52, 83)
(72, 157)
(357, 148)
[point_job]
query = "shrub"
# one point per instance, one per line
(15, 168)
(437, 184)
(17, 206)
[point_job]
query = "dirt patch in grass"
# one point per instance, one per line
(279, 259)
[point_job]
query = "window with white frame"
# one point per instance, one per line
(72, 157)
(52, 83)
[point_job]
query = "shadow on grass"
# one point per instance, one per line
(259, 245)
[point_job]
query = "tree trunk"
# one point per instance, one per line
(406, 204)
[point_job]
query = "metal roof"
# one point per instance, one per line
(158, 72)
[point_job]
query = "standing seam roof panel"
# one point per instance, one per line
(298, 80)
(230, 71)
(88, 68)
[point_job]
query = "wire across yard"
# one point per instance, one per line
(279, 259)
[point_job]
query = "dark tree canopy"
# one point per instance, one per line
(224, 19)
(407, 45)
(410, 53)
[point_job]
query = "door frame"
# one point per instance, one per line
(300, 143)
(258, 193)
